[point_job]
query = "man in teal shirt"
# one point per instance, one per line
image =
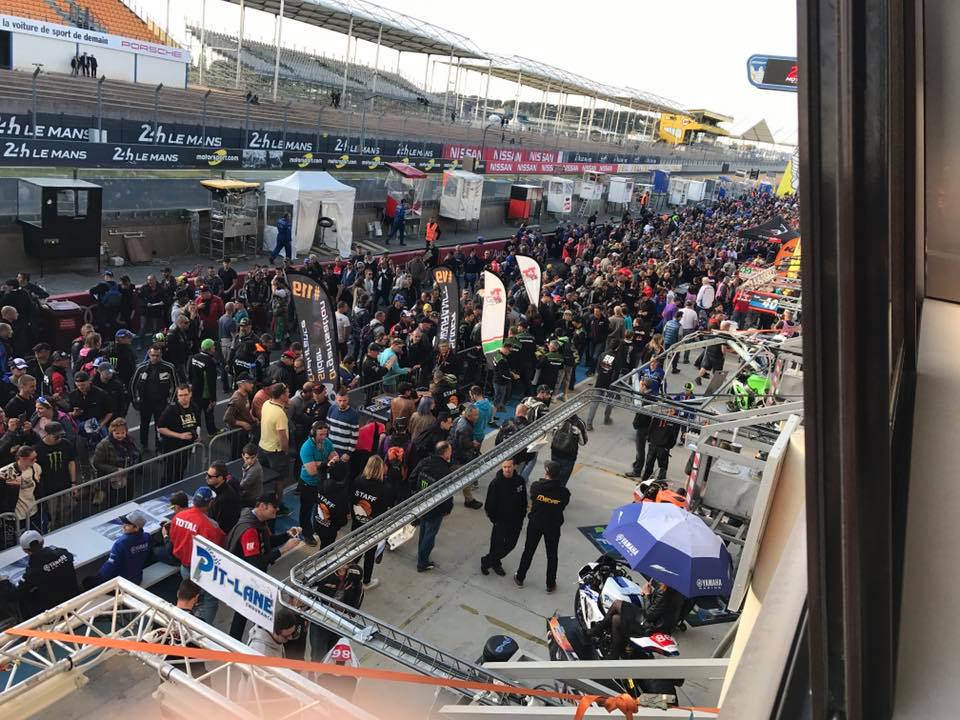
(486, 410)
(315, 453)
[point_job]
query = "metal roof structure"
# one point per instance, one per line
(760, 132)
(542, 76)
(400, 32)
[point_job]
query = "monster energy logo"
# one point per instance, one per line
(56, 460)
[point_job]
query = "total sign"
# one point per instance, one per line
(252, 593)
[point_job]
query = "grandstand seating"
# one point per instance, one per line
(258, 59)
(34, 9)
(110, 16)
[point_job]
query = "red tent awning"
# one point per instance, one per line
(408, 171)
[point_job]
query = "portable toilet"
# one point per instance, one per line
(559, 195)
(695, 191)
(460, 195)
(591, 186)
(620, 190)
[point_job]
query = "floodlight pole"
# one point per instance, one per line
(446, 89)
(593, 110)
(276, 62)
(243, 9)
(426, 72)
(376, 68)
(203, 118)
(203, 37)
(486, 93)
(562, 107)
(516, 100)
(346, 61)
(629, 124)
(543, 107)
(156, 110)
(580, 121)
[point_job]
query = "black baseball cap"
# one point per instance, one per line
(544, 388)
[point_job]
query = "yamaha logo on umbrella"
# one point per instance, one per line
(709, 584)
(627, 545)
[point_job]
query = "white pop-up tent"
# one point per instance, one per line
(313, 194)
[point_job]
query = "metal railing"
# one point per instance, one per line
(101, 493)
(226, 446)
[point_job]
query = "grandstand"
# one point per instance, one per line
(107, 16)
(299, 71)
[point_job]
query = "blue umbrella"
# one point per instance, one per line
(672, 545)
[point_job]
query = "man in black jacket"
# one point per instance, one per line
(641, 423)
(506, 504)
(662, 436)
(50, 577)
(153, 388)
(503, 377)
(346, 585)
(252, 540)
(430, 471)
(548, 498)
(204, 369)
(281, 371)
(225, 508)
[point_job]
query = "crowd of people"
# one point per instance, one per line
(615, 296)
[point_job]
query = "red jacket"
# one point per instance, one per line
(187, 523)
(209, 312)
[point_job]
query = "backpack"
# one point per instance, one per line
(566, 440)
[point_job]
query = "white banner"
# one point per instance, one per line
(92, 37)
(530, 272)
(494, 313)
(252, 593)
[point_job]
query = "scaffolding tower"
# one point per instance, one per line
(233, 218)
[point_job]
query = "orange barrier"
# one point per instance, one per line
(624, 703)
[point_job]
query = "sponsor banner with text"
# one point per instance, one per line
(41, 28)
(237, 583)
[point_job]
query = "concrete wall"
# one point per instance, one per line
(28, 49)
(164, 236)
(151, 70)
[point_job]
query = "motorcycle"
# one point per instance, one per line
(601, 583)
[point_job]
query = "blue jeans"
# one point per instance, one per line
(397, 229)
(501, 394)
(282, 245)
(429, 527)
(206, 608)
(528, 467)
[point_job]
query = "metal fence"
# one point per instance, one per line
(94, 496)
(226, 446)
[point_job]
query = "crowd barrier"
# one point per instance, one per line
(94, 496)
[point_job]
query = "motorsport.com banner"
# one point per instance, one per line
(317, 327)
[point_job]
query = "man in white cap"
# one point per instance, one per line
(50, 577)
(129, 553)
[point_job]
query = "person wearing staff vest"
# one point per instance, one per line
(433, 231)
